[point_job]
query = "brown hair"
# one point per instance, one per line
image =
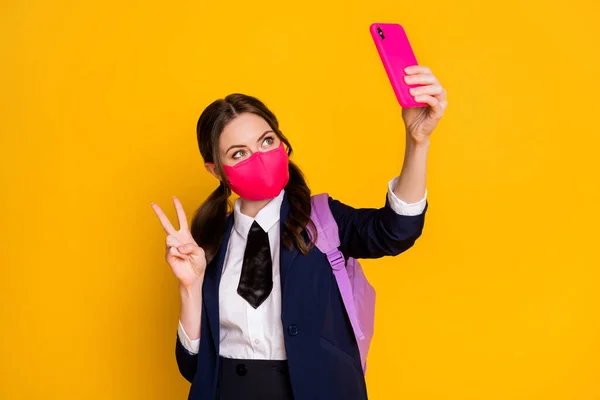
(209, 221)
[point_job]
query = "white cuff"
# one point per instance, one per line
(401, 207)
(190, 345)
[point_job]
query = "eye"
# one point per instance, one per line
(238, 154)
(268, 141)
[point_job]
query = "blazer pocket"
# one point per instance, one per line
(327, 345)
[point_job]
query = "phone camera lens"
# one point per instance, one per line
(380, 33)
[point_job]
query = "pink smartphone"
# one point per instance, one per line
(396, 54)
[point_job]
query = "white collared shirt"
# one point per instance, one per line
(249, 333)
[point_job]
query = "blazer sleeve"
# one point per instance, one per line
(186, 361)
(375, 232)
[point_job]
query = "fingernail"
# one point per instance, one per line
(181, 248)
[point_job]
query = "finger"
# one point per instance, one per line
(435, 105)
(421, 79)
(442, 96)
(183, 225)
(444, 104)
(191, 249)
(173, 252)
(172, 241)
(417, 69)
(432, 90)
(164, 221)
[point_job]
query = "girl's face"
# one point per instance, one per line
(245, 135)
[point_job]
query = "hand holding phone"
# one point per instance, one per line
(396, 54)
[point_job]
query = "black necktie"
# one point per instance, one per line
(256, 280)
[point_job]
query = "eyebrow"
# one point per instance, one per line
(240, 145)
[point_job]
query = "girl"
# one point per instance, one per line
(261, 312)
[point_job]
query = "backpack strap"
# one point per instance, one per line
(328, 241)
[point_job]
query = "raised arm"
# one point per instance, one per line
(188, 262)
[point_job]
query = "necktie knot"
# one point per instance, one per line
(255, 227)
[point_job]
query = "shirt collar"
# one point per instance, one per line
(267, 216)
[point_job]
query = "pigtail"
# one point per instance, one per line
(209, 221)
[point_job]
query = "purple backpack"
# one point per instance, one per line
(357, 293)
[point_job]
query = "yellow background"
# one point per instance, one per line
(498, 300)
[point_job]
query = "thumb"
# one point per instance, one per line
(190, 249)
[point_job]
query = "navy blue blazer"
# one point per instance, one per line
(323, 357)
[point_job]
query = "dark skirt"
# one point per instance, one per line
(253, 379)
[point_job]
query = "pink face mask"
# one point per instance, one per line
(261, 176)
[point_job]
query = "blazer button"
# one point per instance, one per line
(293, 330)
(241, 369)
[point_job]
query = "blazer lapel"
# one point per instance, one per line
(286, 256)
(212, 278)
